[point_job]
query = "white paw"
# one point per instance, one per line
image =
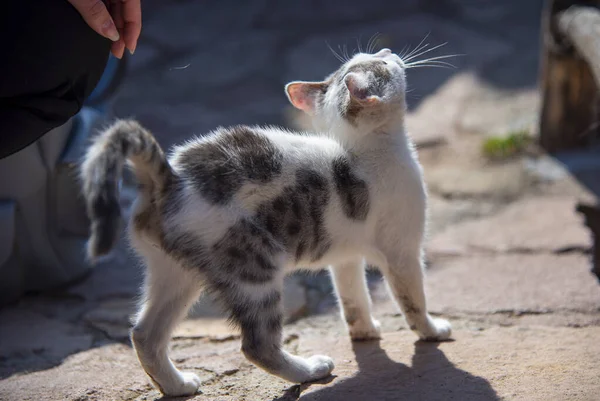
(188, 385)
(320, 367)
(362, 331)
(440, 330)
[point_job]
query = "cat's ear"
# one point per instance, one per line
(304, 95)
(359, 89)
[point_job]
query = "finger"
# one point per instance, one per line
(96, 15)
(116, 11)
(118, 48)
(132, 16)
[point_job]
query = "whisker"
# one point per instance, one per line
(410, 57)
(419, 45)
(449, 66)
(337, 56)
(428, 62)
(373, 42)
(368, 49)
(400, 54)
(344, 56)
(437, 58)
(438, 63)
(358, 43)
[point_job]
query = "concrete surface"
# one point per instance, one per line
(508, 258)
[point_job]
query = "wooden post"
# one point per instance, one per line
(570, 114)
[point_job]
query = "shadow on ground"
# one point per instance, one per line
(431, 377)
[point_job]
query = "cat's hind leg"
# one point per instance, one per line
(257, 308)
(353, 296)
(403, 272)
(169, 292)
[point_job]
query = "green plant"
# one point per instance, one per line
(506, 146)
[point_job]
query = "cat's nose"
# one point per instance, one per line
(383, 52)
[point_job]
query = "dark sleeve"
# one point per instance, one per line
(51, 63)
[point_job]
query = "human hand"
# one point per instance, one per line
(120, 22)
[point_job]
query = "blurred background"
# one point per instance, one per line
(209, 63)
(505, 244)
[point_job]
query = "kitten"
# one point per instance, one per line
(234, 211)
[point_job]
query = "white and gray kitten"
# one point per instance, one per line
(236, 210)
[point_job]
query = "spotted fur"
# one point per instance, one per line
(232, 212)
(101, 171)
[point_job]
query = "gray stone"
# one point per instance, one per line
(504, 182)
(499, 363)
(515, 283)
(445, 212)
(495, 112)
(538, 224)
(29, 340)
(433, 119)
(294, 298)
(113, 318)
(214, 329)
(545, 168)
(108, 373)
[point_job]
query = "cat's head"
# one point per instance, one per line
(366, 92)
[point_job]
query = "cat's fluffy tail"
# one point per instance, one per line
(125, 140)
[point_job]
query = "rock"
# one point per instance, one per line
(495, 112)
(545, 169)
(538, 224)
(499, 363)
(111, 372)
(113, 318)
(294, 298)
(513, 284)
(513, 363)
(117, 276)
(31, 341)
(502, 182)
(212, 329)
(445, 212)
(432, 121)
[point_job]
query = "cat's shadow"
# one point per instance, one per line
(431, 377)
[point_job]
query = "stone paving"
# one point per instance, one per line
(508, 257)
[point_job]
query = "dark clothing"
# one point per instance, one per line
(51, 62)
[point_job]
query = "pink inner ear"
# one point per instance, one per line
(300, 98)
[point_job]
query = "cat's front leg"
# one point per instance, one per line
(353, 296)
(404, 276)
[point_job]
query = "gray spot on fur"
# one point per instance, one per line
(261, 325)
(219, 168)
(353, 191)
(409, 307)
(296, 217)
(351, 312)
(124, 140)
